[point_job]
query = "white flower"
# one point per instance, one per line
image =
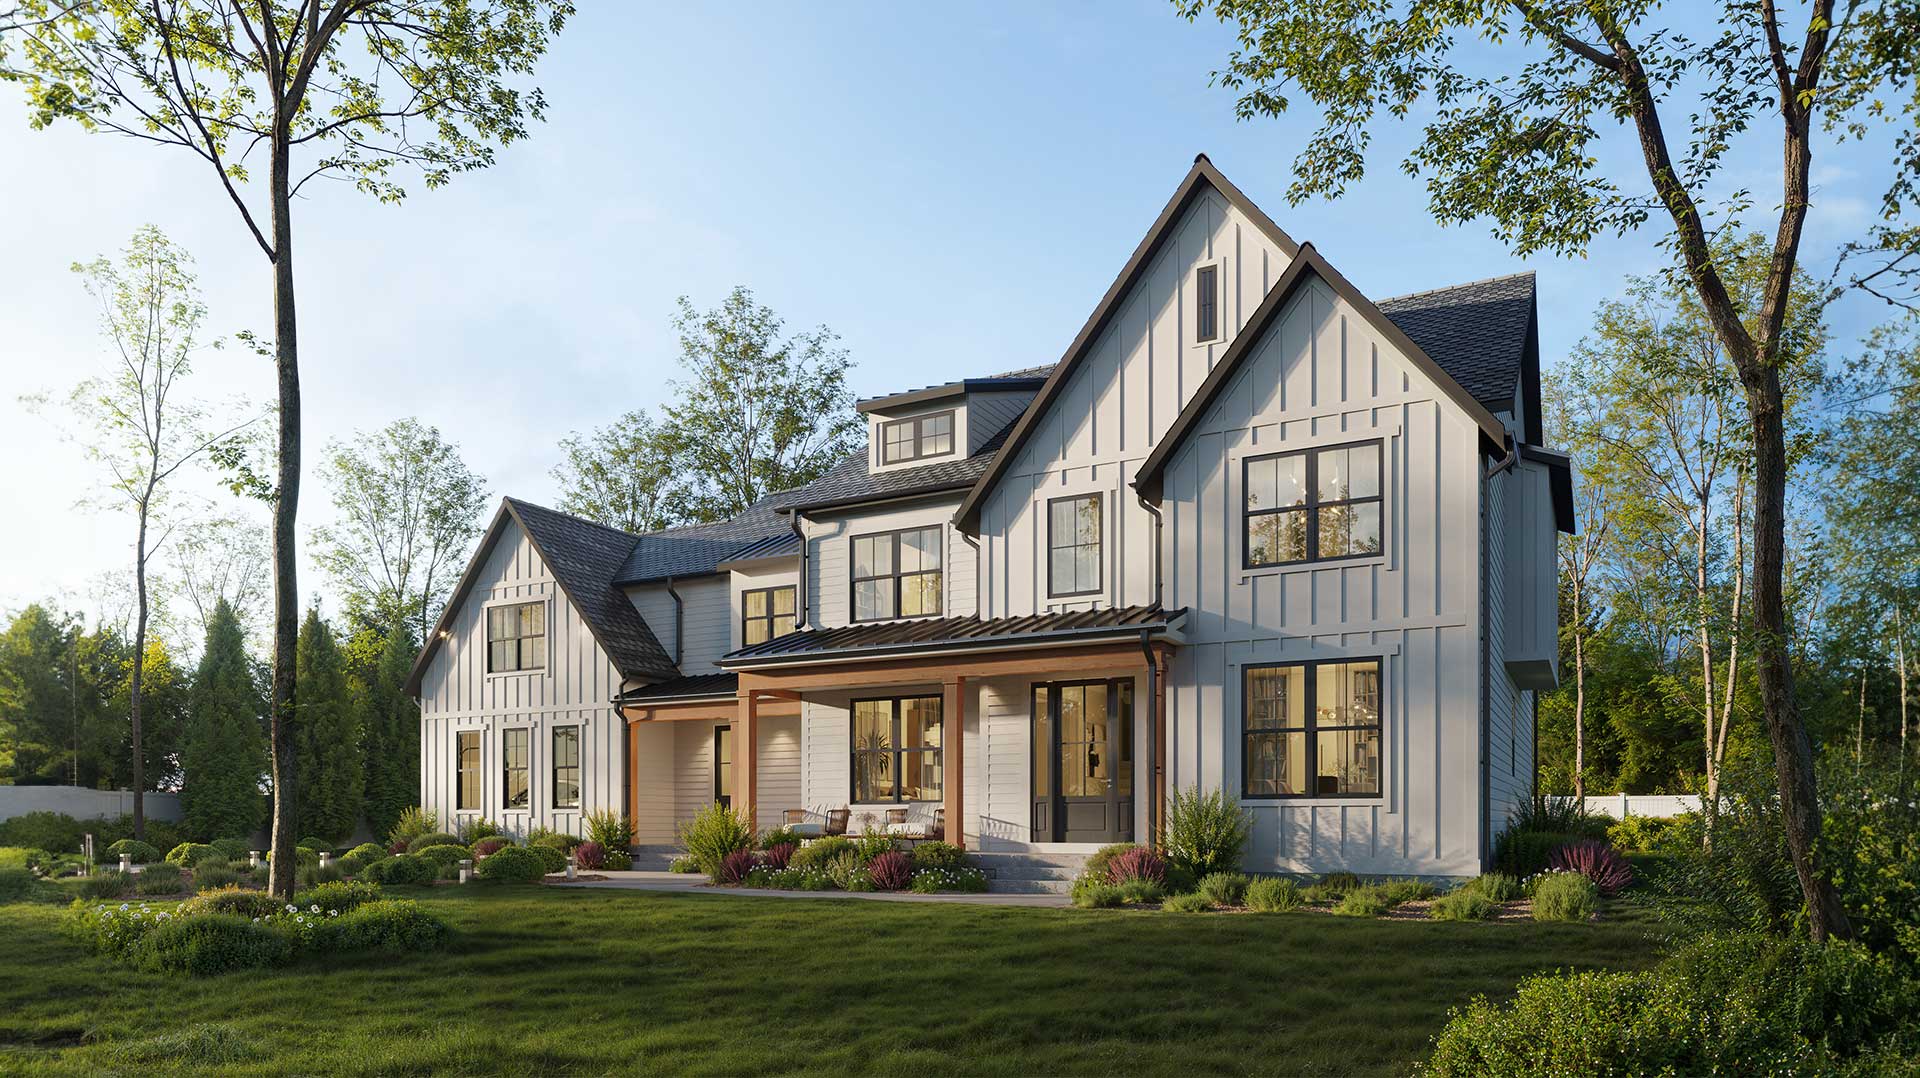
(333, 913)
(123, 907)
(316, 907)
(291, 908)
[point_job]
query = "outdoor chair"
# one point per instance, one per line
(795, 820)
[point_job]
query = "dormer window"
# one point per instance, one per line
(921, 436)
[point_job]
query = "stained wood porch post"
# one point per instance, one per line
(953, 753)
(633, 776)
(746, 757)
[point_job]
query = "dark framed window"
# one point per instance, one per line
(516, 637)
(920, 436)
(1206, 304)
(896, 749)
(1312, 505)
(466, 769)
(1311, 729)
(723, 766)
(897, 574)
(765, 613)
(1073, 545)
(566, 767)
(515, 765)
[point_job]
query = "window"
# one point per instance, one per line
(1206, 304)
(466, 775)
(1313, 505)
(723, 766)
(764, 614)
(516, 637)
(1073, 545)
(1312, 730)
(513, 767)
(912, 439)
(566, 767)
(896, 749)
(896, 574)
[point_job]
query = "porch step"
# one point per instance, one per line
(1026, 873)
(654, 858)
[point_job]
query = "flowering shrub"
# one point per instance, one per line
(779, 854)
(1565, 896)
(809, 878)
(1596, 861)
(113, 931)
(734, 866)
(931, 880)
(490, 845)
(1137, 863)
(338, 897)
(617, 861)
(891, 871)
(248, 904)
(938, 855)
(590, 855)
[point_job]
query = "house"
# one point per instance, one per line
(1254, 531)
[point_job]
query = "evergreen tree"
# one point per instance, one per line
(223, 753)
(390, 726)
(326, 741)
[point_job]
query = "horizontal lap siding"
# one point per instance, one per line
(656, 822)
(830, 554)
(692, 779)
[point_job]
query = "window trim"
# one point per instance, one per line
(770, 616)
(479, 771)
(486, 641)
(896, 751)
(1312, 505)
(1312, 727)
(1218, 268)
(505, 806)
(853, 581)
(1100, 545)
(579, 767)
(917, 422)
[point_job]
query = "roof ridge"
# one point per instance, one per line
(1453, 287)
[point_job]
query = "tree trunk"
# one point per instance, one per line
(286, 598)
(1900, 653)
(1579, 704)
(139, 670)
(1703, 631)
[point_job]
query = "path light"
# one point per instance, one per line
(126, 864)
(466, 869)
(572, 863)
(325, 859)
(253, 858)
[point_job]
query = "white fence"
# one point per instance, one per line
(82, 803)
(1621, 806)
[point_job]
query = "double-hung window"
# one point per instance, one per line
(515, 765)
(1311, 730)
(466, 769)
(896, 749)
(1073, 545)
(1313, 505)
(896, 574)
(912, 439)
(764, 614)
(566, 767)
(516, 637)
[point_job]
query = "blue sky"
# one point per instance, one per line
(951, 189)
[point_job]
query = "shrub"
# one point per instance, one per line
(943, 855)
(1465, 904)
(233, 849)
(1524, 853)
(55, 832)
(1331, 887)
(103, 885)
(248, 904)
(1089, 893)
(512, 864)
(555, 839)
(211, 876)
(873, 844)
(1558, 814)
(388, 924)
(821, 851)
(1565, 896)
(1224, 888)
(433, 838)
(21, 885)
(1188, 903)
(777, 855)
(1206, 832)
(1141, 891)
(160, 879)
(551, 860)
(317, 845)
(734, 866)
(397, 846)
(684, 865)
(338, 897)
(474, 829)
(1868, 842)
(1647, 834)
(1101, 861)
(189, 854)
(1368, 901)
(847, 873)
(616, 860)
(592, 855)
(779, 836)
(610, 829)
(312, 875)
(212, 944)
(1495, 887)
(928, 881)
(712, 834)
(367, 852)
(490, 845)
(23, 857)
(138, 851)
(891, 871)
(1596, 861)
(412, 823)
(1138, 863)
(443, 855)
(402, 870)
(1273, 894)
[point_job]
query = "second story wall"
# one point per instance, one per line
(830, 554)
(706, 606)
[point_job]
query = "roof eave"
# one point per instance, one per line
(1167, 629)
(946, 392)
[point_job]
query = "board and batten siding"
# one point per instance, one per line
(457, 693)
(1509, 761)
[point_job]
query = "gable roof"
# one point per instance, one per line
(1200, 178)
(1306, 264)
(1479, 332)
(852, 482)
(700, 549)
(584, 558)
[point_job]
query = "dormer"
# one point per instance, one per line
(944, 423)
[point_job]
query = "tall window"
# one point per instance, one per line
(896, 574)
(764, 614)
(723, 766)
(1073, 545)
(1313, 505)
(896, 749)
(920, 436)
(516, 637)
(514, 761)
(1206, 304)
(1312, 730)
(466, 773)
(566, 767)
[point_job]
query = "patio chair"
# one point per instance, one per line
(837, 821)
(795, 820)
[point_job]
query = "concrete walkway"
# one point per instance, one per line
(692, 883)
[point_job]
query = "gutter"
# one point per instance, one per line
(915, 495)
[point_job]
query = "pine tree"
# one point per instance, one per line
(326, 741)
(390, 725)
(223, 752)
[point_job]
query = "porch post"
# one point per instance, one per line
(953, 754)
(633, 777)
(746, 757)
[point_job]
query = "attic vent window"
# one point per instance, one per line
(1206, 304)
(912, 439)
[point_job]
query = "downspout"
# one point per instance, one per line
(799, 593)
(1512, 457)
(1159, 522)
(978, 576)
(679, 621)
(1153, 737)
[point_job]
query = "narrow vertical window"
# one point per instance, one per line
(566, 767)
(1073, 545)
(723, 766)
(1206, 304)
(513, 767)
(466, 774)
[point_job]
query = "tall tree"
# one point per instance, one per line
(625, 475)
(40, 705)
(349, 90)
(164, 701)
(390, 732)
(1522, 148)
(223, 754)
(408, 510)
(222, 558)
(134, 423)
(327, 744)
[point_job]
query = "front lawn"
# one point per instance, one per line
(549, 980)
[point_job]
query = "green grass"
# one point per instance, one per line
(550, 981)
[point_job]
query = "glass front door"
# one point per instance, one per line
(1083, 761)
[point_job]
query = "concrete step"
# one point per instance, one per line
(654, 858)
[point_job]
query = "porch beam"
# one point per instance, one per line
(721, 711)
(1064, 662)
(953, 756)
(746, 757)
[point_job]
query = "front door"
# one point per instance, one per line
(1083, 761)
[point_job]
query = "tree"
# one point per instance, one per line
(134, 424)
(40, 706)
(349, 90)
(390, 730)
(327, 746)
(1521, 148)
(164, 700)
(221, 559)
(625, 475)
(408, 512)
(222, 751)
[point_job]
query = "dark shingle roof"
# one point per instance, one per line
(726, 684)
(586, 558)
(698, 549)
(1477, 332)
(884, 638)
(851, 482)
